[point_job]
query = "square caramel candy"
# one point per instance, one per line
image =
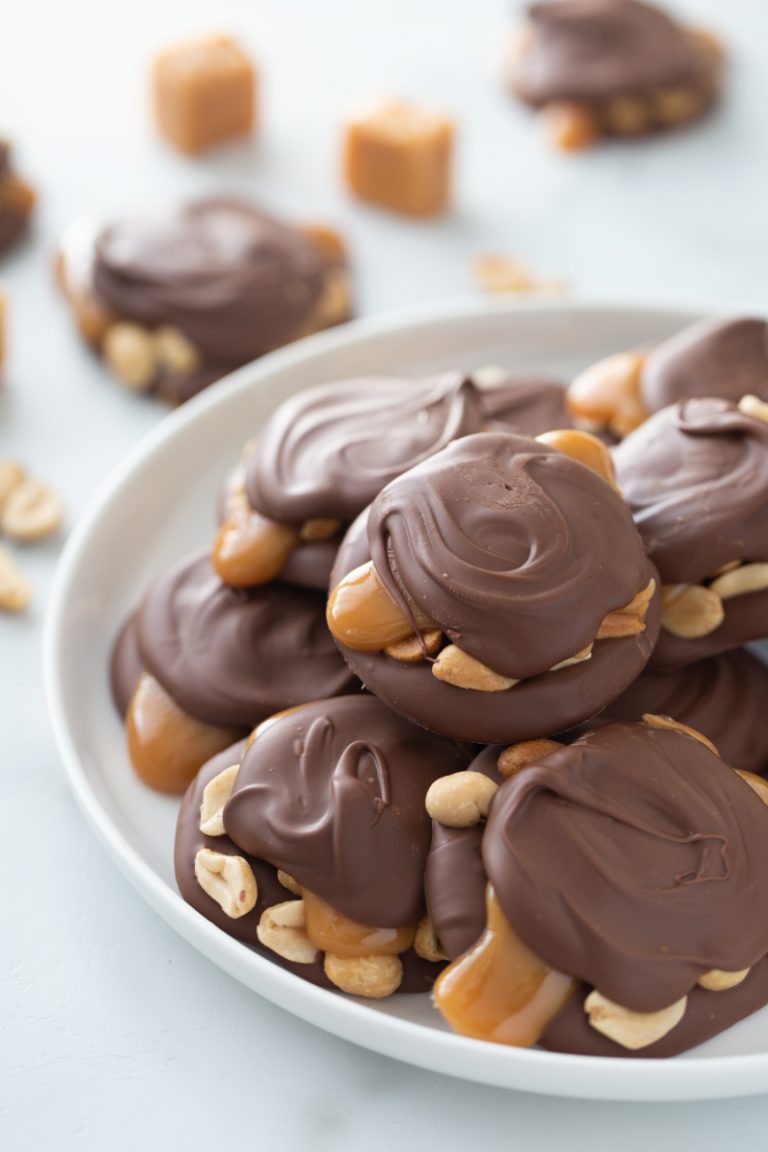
(399, 156)
(204, 92)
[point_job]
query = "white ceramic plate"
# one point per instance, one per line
(157, 506)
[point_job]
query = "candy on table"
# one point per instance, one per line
(399, 156)
(204, 91)
(611, 68)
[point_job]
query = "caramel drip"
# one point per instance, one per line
(500, 990)
(363, 616)
(330, 931)
(250, 549)
(166, 745)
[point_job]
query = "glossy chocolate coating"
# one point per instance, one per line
(234, 280)
(328, 451)
(696, 478)
(310, 565)
(707, 1014)
(515, 550)
(746, 619)
(533, 708)
(634, 859)
(234, 657)
(725, 697)
(333, 793)
(125, 666)
(723, 358)
(528, 406)
(455, 878)
(591, 50)
(189, 841)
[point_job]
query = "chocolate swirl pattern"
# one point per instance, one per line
(234, 280)
(333, 793)
(516, 551)
(724, 358)
(593, 49)
(232, 657)
(696, 478)
(635, 860)
(330, 450)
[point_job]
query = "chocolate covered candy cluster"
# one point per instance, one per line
(175, 300)
(429, 706)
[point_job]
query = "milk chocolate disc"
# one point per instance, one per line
(696, 478)
(724, 697)
(233, 657)
(333, 793)
(328, 451)
(634, 859)
(723, 358)
(590, 50)
(518, 553)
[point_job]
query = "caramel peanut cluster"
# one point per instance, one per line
(502, 990)
(363, 616)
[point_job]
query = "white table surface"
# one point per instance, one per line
(116, 1035)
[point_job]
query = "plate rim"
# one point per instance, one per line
(549, 1073)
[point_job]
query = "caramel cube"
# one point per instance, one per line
(204, 92)
(399, 156)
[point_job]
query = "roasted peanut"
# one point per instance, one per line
(666, 722)
(740, 581)
(371, 976)
(31, 511)
(716, 980)
(460, 800)
(455, 667)
(630, 1029)
(228, 880)
(215, 796)
(691, 611)
(282, 929)
(130, 351)
(15, 589)
(518, 756)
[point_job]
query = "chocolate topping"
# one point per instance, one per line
(126, 665)
(590, 50)
(533, 708)
(724, 358)
(455, 878)
(723, 697)
(333, 793)
(189, 841)
(706, 1014)
(235, 657)
(634, 859)
(696, 478)
(234, 280)
(515, 550)
(329, 450)
(527, 406)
